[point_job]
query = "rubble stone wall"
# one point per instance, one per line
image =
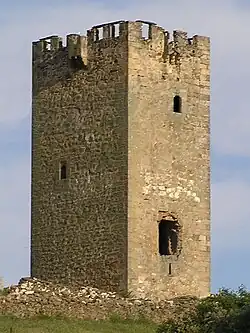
(32, 297)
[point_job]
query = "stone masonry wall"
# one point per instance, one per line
(168, 163)
(32, 297)
(103, 105)
(79, 224)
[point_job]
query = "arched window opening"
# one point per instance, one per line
(168, 237)
(177, 104)
(63, 171)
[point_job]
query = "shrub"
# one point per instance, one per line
(226, 312)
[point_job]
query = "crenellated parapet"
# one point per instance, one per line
(45, 45)
(162, 41)
(107, 31)
(76, 47)
(139, 33)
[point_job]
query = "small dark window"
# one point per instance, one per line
(168, 237)
(170, 269)
(63, 171)
(177, 104)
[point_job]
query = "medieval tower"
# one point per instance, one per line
(120, 160)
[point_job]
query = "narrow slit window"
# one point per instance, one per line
(177, 104)
(63, 171)
(170, 269)
(168, 237)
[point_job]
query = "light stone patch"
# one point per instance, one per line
(173, 192)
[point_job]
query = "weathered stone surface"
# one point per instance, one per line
(103, 108)
(34, 297)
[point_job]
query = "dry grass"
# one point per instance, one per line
(61, 325)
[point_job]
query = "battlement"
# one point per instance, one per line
(138, 31)
(76, 46)
(107, 30)
(50, 43)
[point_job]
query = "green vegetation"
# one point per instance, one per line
(62, 325)
(4, 292)
(226, 312)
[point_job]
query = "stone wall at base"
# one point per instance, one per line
(32, 297)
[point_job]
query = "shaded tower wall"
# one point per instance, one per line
(79, 133)
(168, 163)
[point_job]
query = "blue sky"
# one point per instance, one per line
(226, 22)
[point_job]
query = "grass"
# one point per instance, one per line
(61, 325)
(4, 292)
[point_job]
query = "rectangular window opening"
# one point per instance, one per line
(63, 170)
(177, 104)
(170, 269)
(168, 237)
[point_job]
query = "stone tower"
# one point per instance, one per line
(120, 160)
